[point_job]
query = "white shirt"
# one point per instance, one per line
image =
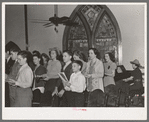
(25, 77)
(8, 58)
(78, 83)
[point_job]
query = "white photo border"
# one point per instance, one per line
(59, 113)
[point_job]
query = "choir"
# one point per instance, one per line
(33, 78)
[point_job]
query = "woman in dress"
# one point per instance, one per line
(109, 67)
(94, 74)
(38, 85)
(54, 67)
(23, 97)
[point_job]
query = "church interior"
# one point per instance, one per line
(116, 28)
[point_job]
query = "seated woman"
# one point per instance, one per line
(136, 76)
(109, 69)
(38, 85)
(23, 96)
(53, 68)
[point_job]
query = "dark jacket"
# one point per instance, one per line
(39, 82)
(68, 71)
(8, 65)
(14, 71)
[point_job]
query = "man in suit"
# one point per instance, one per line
(12, 75)
(8, 62)
(8, 65)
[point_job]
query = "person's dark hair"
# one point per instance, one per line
(46, 56)
(111, 56)
(7, 50)
(84, 57)
(68, 52)
(36, 52)
(38, 56)
(11, 45)
(96, 52)
(79, 54)
(79, 63)
(24, 54)
(15, 49)
(28, 55)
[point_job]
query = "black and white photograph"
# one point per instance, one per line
(78, 61)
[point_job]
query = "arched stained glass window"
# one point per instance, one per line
(105, 37)
(97, 28)
(77, 37)
(91, 13)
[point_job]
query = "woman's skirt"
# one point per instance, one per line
(46, 98)
(50, 85)
(108, 81)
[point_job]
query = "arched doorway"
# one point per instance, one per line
(97, 28)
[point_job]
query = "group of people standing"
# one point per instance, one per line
(36, 81)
